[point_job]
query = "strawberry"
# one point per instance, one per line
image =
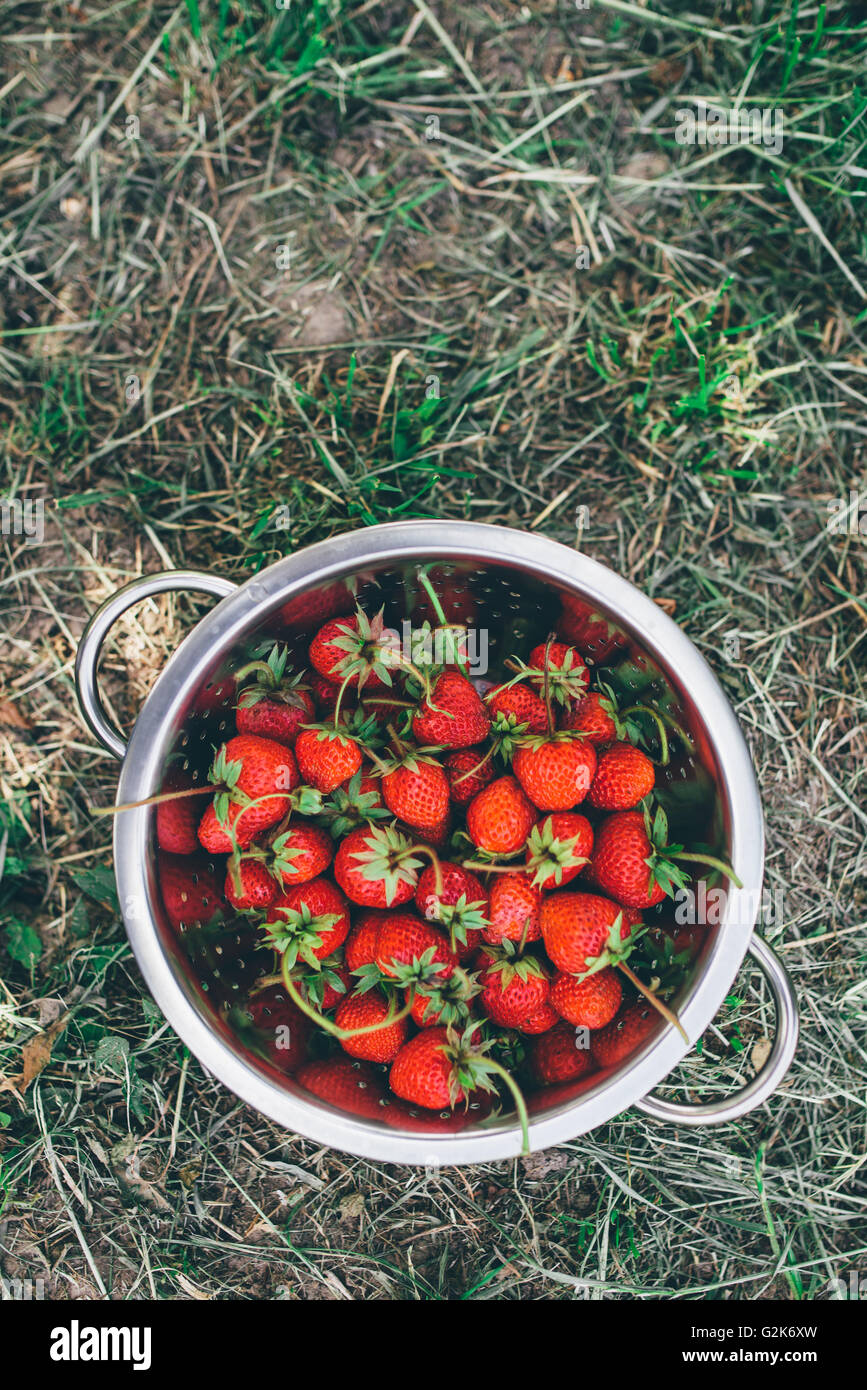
(416, 790)
(363, 939)
(326, 757)
(541, 1021)
(249, 885)
(514, 985)
(348, 1085)
(514, 908)
(516, 708)
(460, 907)
(440, 1001)
(356, 651)
(558, 848)
(177, 820)
(275, 705)
(593, 716)
(500, 817)
(624, 776)
(301, 853)
(405, 939)
(555, 771)
(591, 1002)
(271, 1023)
(631, 861)
(591, 632)
(628, 1031)
(468, 772)
(326, 692)
(256, 774)
(308, 922)
(582, 931)
(557, 668)
(439, 1068)
(306, 611)
(453, 716)
(423, 1071)
(377, 867)
(362, 1011)
(189, 889)
(557, 1056)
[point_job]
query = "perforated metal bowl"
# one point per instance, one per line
(512, 586)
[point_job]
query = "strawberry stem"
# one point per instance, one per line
(438, 610)
(651, 998)
(660, 727)
(547, 687)
(155, 800)
(435, 861)
(517, 1096)
(494, 868)
(714, 864)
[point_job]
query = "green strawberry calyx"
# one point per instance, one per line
(550, 856)
(615, 950)
(388, 858)
(273, 681)
(458, 917)
(510, 963)
(473, 1068)
(448, 1001)
(299, 933)
(348, 808)
(314, 983)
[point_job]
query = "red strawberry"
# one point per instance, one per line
(326, 693)
(624, 776)
(558, 848)
(567, 675)
(189, 889)
(405, 938)
(308, 922)
(177, 820)
(253, 770)
(467, 772)
(500, 817)
(281, 1029)
(301, 853)
(453, 717)
(579, 928)
(628, 865)
(275, 705)
(417, 792)
(249, 885)
(592, 633)
(557, 1056)
(541, 1021)
(460, 907)
(555, 772)
(591, 1002)
(326, 757)
(305, 611)
(346, 1084)
(363, 939)
(514, 986)
(423, 1071)
(377, 867)
(627, 1032)
(514, 907)
(592, 716)
(362, 1011)
(517, 707)
(358, 651)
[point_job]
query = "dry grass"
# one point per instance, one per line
(698, 388)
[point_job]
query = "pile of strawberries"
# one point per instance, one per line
(443, 879)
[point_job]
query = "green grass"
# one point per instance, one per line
(552, 307)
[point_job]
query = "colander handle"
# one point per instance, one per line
(717, 1112)
(95, 633)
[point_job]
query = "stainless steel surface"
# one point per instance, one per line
(208, 650)
(779, 1060)
(90, 646)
